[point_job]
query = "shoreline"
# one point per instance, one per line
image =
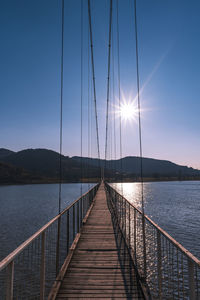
(94, 180)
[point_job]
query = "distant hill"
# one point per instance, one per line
(38, 161)
(151, 167)
(43, 165)
(5, 152)
(14, 175)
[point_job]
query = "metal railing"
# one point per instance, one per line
(30, 271)
(172, 272)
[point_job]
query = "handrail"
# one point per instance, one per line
(18, 250)
(164, 233)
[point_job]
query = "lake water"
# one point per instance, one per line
(175, 206)
(26, 208)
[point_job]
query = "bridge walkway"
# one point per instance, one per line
(95, 270)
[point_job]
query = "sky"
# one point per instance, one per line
(169, 64)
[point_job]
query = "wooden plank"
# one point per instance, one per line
(77, 294)
(91, 296)
(99, 275)
(72, 297)
(92, 281)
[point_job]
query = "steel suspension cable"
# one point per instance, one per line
(140, 131)
(94, 84)
(88, 98)
(119, 92)
(81, 98)
(138, 102)
(108, 81)
(113, 75)
(61, 107)
(114, 106)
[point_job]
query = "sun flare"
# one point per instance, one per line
(128, 111)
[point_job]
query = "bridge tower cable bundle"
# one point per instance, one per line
(108, 84)
(140, 136)
(94, 85)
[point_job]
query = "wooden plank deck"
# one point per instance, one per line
(95, 271)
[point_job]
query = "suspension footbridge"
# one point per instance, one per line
(95, 269)
(100, 246)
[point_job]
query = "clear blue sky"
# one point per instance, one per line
(169, 47)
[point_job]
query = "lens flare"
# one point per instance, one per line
(128, 111)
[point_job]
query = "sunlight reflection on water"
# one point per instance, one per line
(172, 205)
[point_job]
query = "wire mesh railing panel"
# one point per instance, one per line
(29, 272)
(50, 256)
(151, 255)
(26, 269)
(62, 241)
(166, 268)
(139, 251)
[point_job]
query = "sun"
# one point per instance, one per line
(128, 111)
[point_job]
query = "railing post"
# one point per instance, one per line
(81, 211)
(121, 214)
(129, 228)
(42, 268)
(73, 222)
(135, 237)
(91, 198)
(77, 216)
(125, 221)
(88, 201)
(144, 245)
(67, 231)
(115, 204)
(9, 281)
(58, 248)
(83, 206)
(117, 207)
(159, 265)
(191, 280)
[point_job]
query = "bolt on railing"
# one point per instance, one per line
(30, 271)
(172, 272)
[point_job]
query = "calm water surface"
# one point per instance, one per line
(25, 208)
(175, 206)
